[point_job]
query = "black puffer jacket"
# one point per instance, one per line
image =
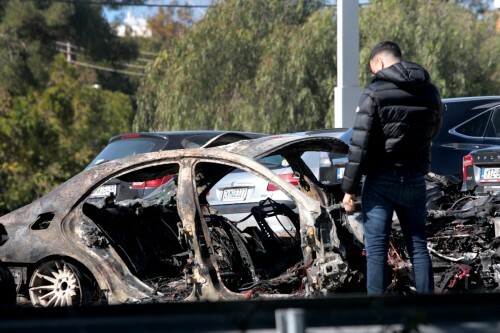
(399, 114)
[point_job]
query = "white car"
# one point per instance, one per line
(237, 192)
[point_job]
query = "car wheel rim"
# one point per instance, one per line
(55, 283)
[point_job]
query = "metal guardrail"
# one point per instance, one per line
(291, 315)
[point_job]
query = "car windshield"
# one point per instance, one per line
(127, 147)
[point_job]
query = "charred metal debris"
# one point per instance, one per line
(463, 240)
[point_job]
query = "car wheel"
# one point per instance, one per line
(58, 283)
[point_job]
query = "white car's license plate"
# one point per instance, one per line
(103, 191)
(340, 173)
(490, 173)
(234, 194)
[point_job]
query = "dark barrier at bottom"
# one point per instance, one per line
(290, 316)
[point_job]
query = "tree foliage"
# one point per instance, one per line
(167, 24)
(477, 6)
(30, 30)
(49, 135)
(240, 66)
(459, 50)
(52, 119)
(270, 66)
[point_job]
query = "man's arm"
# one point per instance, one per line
(360, 139)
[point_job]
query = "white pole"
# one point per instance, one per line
(347, 91)
(290, 321)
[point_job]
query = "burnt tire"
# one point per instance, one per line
(59, 283)
(7, 286)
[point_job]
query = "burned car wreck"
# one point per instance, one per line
(67, 249)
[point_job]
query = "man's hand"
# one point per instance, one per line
(348, 203)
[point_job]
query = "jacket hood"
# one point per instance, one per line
(404, 74)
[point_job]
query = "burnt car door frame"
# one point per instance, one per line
(317, 235)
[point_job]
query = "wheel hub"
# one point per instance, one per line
(55, 284)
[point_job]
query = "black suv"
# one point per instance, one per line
(130, 144)
(468, 123)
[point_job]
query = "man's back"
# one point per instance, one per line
(407, 106)
(399, 114)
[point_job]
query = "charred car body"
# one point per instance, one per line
(175, 246)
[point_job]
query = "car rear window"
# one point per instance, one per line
(271, 162)
(196, 141)
(493, 129)
(127, 147)
(475, 127)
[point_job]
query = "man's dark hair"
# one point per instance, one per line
(387, 46)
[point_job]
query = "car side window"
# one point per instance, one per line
(476, 127)
(493, 129)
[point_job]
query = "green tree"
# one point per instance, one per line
(29, 36)
(270, 66)
(52, 119)
(233, 68)
(167, 24)
(477, 6)
(459, 49)
(51, 134)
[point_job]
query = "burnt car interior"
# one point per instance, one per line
(145, 232)
(148, 234)
(258, 256)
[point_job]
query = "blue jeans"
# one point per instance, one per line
(382, 195)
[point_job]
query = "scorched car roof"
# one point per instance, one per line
(258, 148)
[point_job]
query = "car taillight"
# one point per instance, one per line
(467, 161)
(289, 177)
(152, 183)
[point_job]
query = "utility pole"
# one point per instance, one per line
(347, 91)
(68, 52)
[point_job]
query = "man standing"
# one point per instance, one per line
(398, 115)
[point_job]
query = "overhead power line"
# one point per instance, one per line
(149, 53)
(168, 5)
(72, 52)
(114, 3)
(107, 69)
